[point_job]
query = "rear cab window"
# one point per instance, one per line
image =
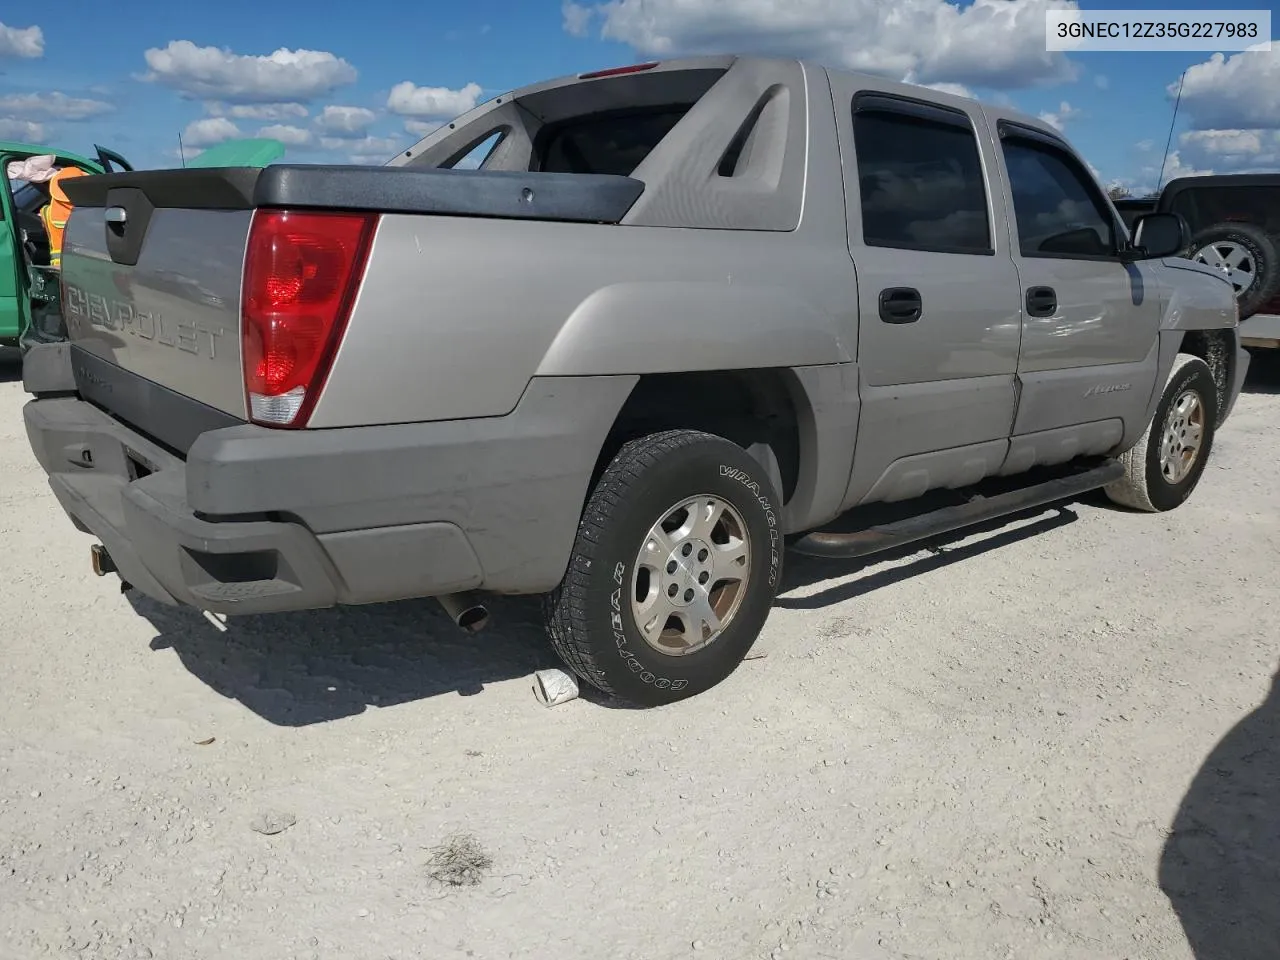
(611, 143)
(920, 177)
(1203, 206)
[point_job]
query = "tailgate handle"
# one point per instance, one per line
(116, 215)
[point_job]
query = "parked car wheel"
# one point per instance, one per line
(1247, 256)
(1164, 466)
(677, 560)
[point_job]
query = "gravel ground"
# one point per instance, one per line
(1009, 746)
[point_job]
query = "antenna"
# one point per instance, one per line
(183, 156)
(1172, 122)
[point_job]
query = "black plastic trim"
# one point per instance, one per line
(874, 102)
(124, 240)
(214, 188)
(1009, 128)
(586, 198)
(164, 415)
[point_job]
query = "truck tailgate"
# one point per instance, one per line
(172, 316)
(199, 297)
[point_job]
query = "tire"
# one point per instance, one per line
(1148, 484)
(1251, 256)
(591, 617)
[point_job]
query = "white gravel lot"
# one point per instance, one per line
(973, 753)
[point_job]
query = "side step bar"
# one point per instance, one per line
(886, 536)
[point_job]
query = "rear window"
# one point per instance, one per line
(1205, 206)
(613, 143)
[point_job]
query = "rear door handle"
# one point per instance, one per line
(900, 305)
(1042, 301)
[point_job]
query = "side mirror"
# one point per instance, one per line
(1157, 235)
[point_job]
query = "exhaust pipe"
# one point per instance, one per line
(101, 560)
(466, 611)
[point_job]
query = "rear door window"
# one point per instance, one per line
(921, 184)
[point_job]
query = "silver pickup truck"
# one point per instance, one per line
(682, 317)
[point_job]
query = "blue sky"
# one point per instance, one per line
(360, 81)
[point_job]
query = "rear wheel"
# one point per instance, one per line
(674, 570)
(1165, 465)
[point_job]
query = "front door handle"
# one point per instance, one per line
(1042, 302)
(900, 305)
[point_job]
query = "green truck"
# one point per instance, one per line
(30, 311)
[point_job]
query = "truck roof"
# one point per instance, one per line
(718, 62)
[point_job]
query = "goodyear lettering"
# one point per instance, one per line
(620, 639)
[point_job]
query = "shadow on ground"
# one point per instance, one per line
(295, 669)
(939, 552)
(10, 366)
(1221, 863)
(1264, 372)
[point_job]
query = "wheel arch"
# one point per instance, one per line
(798, 423)
(1217, 348)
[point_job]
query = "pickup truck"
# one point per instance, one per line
(1234, 221)
(681, 317)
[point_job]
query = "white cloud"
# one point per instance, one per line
(1237, 92)
(994, 43)
(371, 149)
(1176, 167)
(218, 74)
(55, 105)
(289, 135)
(420, 128)
(431, 103)
(26, 43)
(25, 130)
(336, 121)
(1232, 151)
(1058, 119)
(266, 112)
(577, 18)
(207, 132)
(955, 89)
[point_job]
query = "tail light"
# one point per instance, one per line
(301, 273)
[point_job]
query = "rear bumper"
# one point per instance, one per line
(257, 520)
(98, 471)
(1261, 330)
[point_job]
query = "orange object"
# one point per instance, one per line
(57, 211)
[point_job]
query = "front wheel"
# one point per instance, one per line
(674, 570)
(1163, 467)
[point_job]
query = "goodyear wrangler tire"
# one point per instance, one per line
(674, 570)
(1164, 466)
